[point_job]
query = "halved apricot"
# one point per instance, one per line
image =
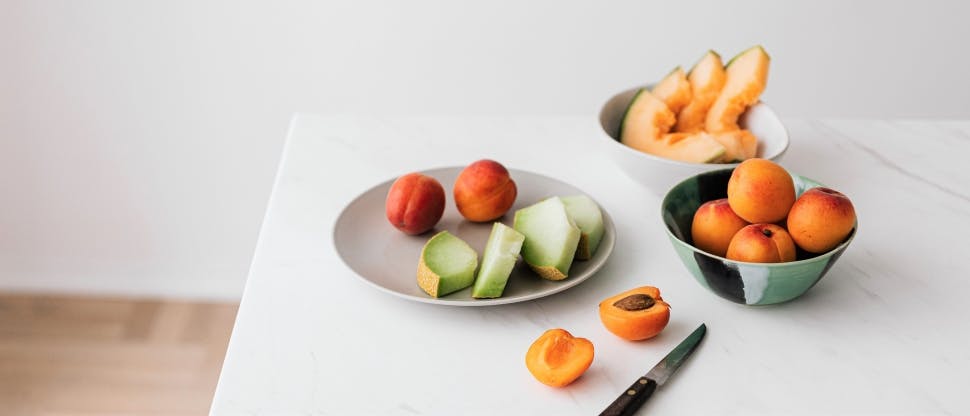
(636, 314)
(558, 358)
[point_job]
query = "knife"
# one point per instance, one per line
(634, 397)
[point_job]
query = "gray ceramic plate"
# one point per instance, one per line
(388, 259)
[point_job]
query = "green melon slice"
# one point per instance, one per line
(551, 238)
(646, 120)
(501, 252)
(674, 90)
(746, 78)
(706, 80)
(447, 265)
(588, 217)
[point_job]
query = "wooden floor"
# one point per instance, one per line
(83, 356)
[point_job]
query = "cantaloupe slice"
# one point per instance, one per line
(746, 77)
(501, 252)
(697, 147)
(674, 90)
(739, 145)
(647, 118)
(447, 265)
(646, 125)
(588, 217)
(551, 238)
(706, 80)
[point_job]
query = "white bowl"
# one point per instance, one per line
(659, 174)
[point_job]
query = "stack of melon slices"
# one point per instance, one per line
(693, 117)
(549, 235)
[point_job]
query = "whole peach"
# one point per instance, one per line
(715, 223)
(415, 203)
(762, 243)
(760, 191)
(484, 191)
(821, 219)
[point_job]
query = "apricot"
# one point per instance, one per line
(636, 314)
(715, 223)
(484, 191)
(821, 219)
(760, 191)
(558, 358)
(762, 243)
(415, 203)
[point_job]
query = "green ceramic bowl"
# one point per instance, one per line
(740, 282)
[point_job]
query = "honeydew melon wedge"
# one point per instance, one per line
(674, 90)
(501, 253)
(551, 237)
(447, 265)
(746, 77)
(588, 217)
(706, 80)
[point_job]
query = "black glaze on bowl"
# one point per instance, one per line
(722, 278)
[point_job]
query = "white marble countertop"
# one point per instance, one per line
(884, 332)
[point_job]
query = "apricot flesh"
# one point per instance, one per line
(762, 243)
(627, 316)
(415, 203)
(821, 219)
(484, 191)
(557, 358)
(761, 191)
(714, 224)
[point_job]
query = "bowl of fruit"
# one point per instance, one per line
(691, 122)
(757, 234)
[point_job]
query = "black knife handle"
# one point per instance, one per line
(631, 399)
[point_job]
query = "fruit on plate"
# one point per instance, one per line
(706, 79)
(557, 358)
(484, 191)
(821, 219)
(636, 314)
(646, 124)
(746, 78)
(714, 224)
(588, 217)
(415, 203)
(739, 145)
(760, 190)
(501, 253)
(762, 243)
(447, 265)
(551, 237)
(674, 90)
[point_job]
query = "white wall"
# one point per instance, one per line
(140, 139)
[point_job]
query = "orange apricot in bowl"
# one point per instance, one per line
(714, 224)
(762, 243)
(761, 191)
(636, 314)
(821, 219)
(558, 358)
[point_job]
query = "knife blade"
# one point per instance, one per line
(638, 393)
